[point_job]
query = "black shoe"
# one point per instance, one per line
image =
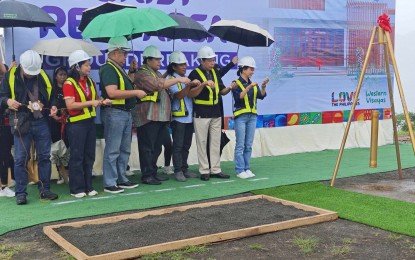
(204, 177)
(150, 181)
(21, 199)
(161, 178)
(220, 176)
(113, 189)
(48, 195)
(127, 185)
(188, 174)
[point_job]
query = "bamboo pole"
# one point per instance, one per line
(394, 124)
(356, 97)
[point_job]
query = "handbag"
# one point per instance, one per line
(19, 122)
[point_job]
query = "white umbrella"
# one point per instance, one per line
(62, 47)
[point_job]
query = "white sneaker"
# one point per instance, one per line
(6, 192)
(79, 195)
(12, 183)
(251, 174)
(92, 193)
(243, 175)
(129, 173)
(60, 181)
(168, 170)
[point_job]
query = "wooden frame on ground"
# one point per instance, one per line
(323, 216)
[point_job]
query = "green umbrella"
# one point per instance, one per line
(127, 22)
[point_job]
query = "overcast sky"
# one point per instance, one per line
(405, 52)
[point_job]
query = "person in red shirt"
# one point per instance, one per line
(81, 101)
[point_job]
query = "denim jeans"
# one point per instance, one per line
(245, 125)
(117, 134)
(149, 137)
(82, 140)
(40, 134)
(182, 140)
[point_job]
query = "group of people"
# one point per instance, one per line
(143, 96)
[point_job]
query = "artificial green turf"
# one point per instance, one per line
(388, 214)
(270, 172)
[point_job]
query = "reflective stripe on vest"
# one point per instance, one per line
(247, 108)
(212, 100)
(86, 112)
(182, 111)
(153, 96)
(12, 79)
(122, 85)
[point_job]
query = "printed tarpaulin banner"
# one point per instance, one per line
(313, 65)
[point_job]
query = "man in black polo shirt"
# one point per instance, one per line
(115, 84)
(207, 113)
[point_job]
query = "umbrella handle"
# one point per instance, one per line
(13, 56)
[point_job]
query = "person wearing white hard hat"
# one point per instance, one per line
(27, 91)
(81, 100)
(245, 97)
(116, 85)
(182, 120)
(207, 113)
(153, 113)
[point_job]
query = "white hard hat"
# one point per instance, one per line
(177, 57)
(205, 52)
(31, 62)
(77, 56)
(152, 51)
(247, 61)
(119, 42)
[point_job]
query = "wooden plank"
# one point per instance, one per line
(63, 243)
(324, 215)
(297, 205)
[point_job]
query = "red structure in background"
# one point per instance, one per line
(298, 4)
(362, 16)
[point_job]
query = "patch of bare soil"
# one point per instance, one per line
(151, 230)
(338, 239)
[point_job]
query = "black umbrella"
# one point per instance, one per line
(187, 29)
(20, 14)
(241, 33)
(89, 14)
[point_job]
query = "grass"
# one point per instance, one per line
(388, 214)
(257, 247)
(306, 245)
(394, 237)
(340, 250)
(8, 251)
(178, 254)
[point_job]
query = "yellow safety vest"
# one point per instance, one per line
(182, 111)
(122, 85)
(12, 80)
(153, 96)
(247, 108)
(212, 100)
(86, 112)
